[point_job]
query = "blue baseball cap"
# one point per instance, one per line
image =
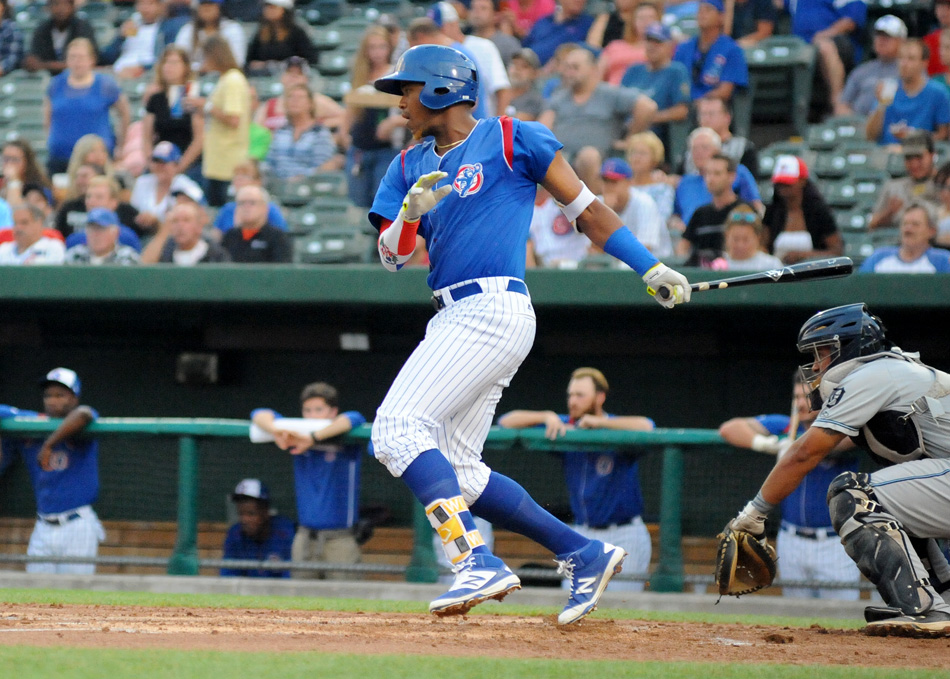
(63, 377)
(252, 488)
(100, 216)
(715, 3)
(658, 32)
(443, 13)
(166, 152)
(616, 168)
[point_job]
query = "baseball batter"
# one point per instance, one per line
(898, 408)
(807, 544)
(469, 191)
(64, 470)
(604, 486)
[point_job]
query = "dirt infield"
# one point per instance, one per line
(505, 636)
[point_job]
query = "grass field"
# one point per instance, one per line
(60, 662)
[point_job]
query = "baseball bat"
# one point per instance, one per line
(836, 267)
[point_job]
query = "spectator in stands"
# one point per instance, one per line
(487, 58)
(621, 53)
(11, 40)
(258, 535)
(247, 173)
(935, 64)
(296, 71)
(645, 153)
(800, 224)
(835, 28)
(742, 247)
(368, 132)
(569, 23)
(152, 193)
(254, 241)
(483, 19)
(326, 477)
(553, 242)
(165, 116)
(78, 102)
(209, 21)
(591, 117)
(303, 146)
(752, 21)
(71, 215)
(53, 36)
(917, 104)
(102, 242)
(64, 471)
(918, 150)
(603, 486)
(138, 42)
(90, 150)
(860, 90)
(19, 168)
(715, 114)
(915, 254)
(715, 62)
(942, 183)
(808, 547)
(101, 192)
(30, 245)
(703, 237)
(635, 207)
(179, 240)
(523, 71)
(943, 79)
(39, 196)
(663, 80)
(520, 16)
(610, 26)
(177, 14)
(277, 39)
(245, 11)
(691, 192)
(228, 112)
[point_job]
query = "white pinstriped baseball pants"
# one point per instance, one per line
(445, 395)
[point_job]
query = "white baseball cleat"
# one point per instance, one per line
(932, 624)
(589, 569)
(478, 578)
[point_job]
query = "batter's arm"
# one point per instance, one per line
(598, 222)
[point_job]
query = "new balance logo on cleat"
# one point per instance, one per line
(589, 569)
(478, 578)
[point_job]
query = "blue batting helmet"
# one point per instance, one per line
(448, 76)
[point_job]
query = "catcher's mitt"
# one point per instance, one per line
(744, 564)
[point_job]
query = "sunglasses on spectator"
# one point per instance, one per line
(744, 218)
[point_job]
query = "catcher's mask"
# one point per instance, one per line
(848, 331)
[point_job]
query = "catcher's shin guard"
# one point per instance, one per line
(878, 544)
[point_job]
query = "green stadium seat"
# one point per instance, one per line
(768, 155)
(766, 190)
(300, 192)
(821, 137)
(336, 87)
(882, 238)
(867, 183)
(333, 63)
(335, 245)
(97, 12)
(854, 220)
(847, 127)
(850, 157)
(323, 12)
(326, 39)
(895, 165)
(840, 194)
(781, 69)
(857, 246)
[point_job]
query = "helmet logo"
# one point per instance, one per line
(469, 180)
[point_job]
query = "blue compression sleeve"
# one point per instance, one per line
(623, 245)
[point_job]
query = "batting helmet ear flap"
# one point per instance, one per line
(448, 77)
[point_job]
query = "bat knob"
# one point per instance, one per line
(664, 292)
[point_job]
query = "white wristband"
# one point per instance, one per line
(579, 204)
(765, 444)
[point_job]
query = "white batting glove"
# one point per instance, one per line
(668, 287)
(751, 520)
(421, 198)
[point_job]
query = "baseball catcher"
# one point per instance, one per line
(897, 408)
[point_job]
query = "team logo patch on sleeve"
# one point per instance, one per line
(469, 180)
(835, 397)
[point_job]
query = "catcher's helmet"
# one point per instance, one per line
(850, 331)
(448, 76)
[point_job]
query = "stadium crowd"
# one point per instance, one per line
(165, 124)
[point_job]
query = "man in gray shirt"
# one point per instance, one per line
(483, 19)
(591, 117)
(860, 90)
(526, 101)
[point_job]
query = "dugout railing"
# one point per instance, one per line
(668, 576)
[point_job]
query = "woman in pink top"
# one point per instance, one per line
(620, 54)
(520, 15)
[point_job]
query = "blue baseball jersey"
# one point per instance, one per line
(926, 110)
(276, 547)
(724, 61)
(74, 480)
(807, 505)
(603, 486)
(327, 482)
(811, 16)
(481, 228)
